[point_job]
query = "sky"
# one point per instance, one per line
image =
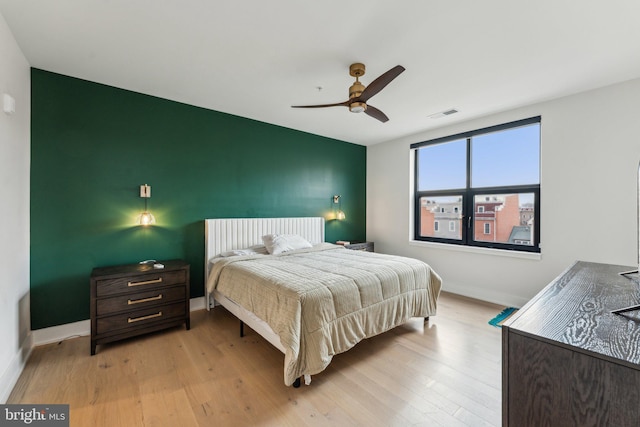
(508, 157)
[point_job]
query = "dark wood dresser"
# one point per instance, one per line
(129, 300)
(567, 361)
(360, 246)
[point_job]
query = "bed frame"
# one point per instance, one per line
(227, 234)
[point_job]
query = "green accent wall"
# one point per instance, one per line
(93, 145)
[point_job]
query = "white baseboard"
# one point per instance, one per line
(61, 332)
(492, 297)
(196, 304)
(83, 327)
(10, 376)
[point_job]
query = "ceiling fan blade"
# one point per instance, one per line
(337, 104)
(378, 84)
(376, 114)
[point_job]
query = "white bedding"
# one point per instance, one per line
(323, 300)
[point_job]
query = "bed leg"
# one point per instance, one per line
(426, 319)
(241, 329)
(296, 383)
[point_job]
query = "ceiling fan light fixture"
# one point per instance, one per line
(357, 107)
(360, 94)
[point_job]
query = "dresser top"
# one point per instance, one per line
(129, 269)
(575, 311)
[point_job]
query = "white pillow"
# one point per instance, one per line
(253, 250)
(279, 243)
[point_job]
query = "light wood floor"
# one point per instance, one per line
(446, 372)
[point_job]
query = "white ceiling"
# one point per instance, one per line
(256, 58)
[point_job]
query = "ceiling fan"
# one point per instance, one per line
(359, 94)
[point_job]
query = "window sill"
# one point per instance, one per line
(477, 250)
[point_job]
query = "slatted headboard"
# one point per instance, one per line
(226, 234)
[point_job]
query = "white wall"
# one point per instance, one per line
(15, 334)
(590, 150)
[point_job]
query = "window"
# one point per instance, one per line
(436, 226)
(485, 183)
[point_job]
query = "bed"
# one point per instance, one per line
(310, 299)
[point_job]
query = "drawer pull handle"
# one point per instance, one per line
(138, 301)
(146, 282)
(137, 319)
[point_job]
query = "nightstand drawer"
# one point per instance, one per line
(140, 318)
(139, 282)
(139, 300)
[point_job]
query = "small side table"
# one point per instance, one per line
(360, 246)
(134, 299)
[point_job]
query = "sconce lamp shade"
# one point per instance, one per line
(339, 213)
(146, 218)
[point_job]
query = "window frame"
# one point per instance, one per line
(469, 193)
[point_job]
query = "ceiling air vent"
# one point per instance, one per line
(443, 113)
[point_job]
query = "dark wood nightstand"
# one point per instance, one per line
(134, 299)
(360, 246)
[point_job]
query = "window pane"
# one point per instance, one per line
(504, 218)
(441, 217)
(442, 166)
(508, 157)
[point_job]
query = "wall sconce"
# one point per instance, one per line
(337, 200)
(146, 218)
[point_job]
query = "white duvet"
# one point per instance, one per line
(323, 300)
